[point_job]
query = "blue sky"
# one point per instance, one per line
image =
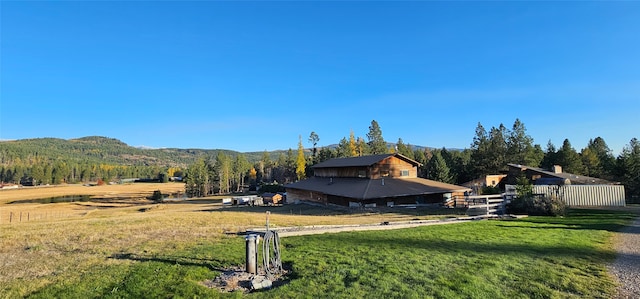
(253, 76)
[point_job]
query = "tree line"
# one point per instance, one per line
(489, 153)
(222, 171)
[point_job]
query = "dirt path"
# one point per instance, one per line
(626, 267)
(322, 229)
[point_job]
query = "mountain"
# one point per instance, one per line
(98, 149)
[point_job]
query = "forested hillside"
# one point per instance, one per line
(95, 149)
(54, 160)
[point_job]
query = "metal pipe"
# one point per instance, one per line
(251, 254)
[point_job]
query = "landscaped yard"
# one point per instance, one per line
(170, 250)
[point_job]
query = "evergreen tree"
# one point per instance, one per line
(343, 150)
(520, 148)
(569, 159)
(550, 157)
(629, 169)
(240, 167)
(404, 149)
(223, 169)
(197, 179)
(326, 154)
(376, 143)
(591, 163)
(480, 152)
(605, 160)
(363, 147)
(437, 169)
(266, 167)
(497, 150)
(313, 138)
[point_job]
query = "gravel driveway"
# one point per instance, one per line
(626, 267)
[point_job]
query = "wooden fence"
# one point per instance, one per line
(13, 217)
(486, 205)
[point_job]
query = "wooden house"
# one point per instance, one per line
(388, 179)
(272, 198)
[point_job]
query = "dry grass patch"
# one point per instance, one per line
(104, 191)
(48, 251)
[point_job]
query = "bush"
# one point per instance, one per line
(486, 190)
(157, 196)
(537, 206)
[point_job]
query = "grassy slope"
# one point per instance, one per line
(538, 257)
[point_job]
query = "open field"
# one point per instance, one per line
(134, 248)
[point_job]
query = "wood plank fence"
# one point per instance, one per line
(486, 205)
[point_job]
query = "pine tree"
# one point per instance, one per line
(404, 149)
(376, 143)
(629, 169)
(197, 179)
(606, 160)
(569, 159)
(313, 138)
(438, 170)
(343, 150)
(520, 148)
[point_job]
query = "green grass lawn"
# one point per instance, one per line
(535, 257)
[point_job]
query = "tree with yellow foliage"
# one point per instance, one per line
(300, 161)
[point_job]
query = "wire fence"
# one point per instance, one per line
(15, 217)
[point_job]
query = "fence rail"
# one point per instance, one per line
(13, 217)
(488, 205)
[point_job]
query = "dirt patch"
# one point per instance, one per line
(237, 280)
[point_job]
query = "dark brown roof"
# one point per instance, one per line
(573, 178)
(360, 188)
(360, 161)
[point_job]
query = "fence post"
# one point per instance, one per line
(487, 203)
(10, 217)
(503, 205)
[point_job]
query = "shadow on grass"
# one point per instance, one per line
(318, 210)
(589, 219)
(466, 247)
(212, 264)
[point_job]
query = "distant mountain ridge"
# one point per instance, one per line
(99, 149)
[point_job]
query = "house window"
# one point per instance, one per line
(404, 172)
(361, 173)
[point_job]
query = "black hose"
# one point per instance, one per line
(271, 254)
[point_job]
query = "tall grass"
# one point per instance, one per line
(536, 257)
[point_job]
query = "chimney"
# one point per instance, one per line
(557, 169)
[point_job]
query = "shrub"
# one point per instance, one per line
(491, 190)
(537, 206)
(157, 196)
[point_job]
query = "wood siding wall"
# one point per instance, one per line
(389, 167)
(297, 194)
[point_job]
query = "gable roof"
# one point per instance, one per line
(573, 178)
(360, 188)
(361, 161)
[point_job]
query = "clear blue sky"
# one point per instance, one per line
(253, 76)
